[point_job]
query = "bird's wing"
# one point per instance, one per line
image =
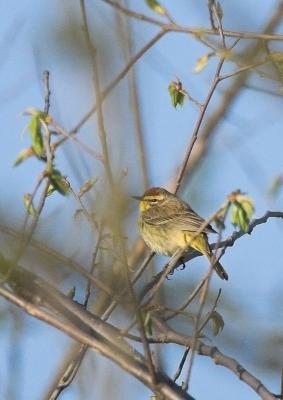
(186, 220)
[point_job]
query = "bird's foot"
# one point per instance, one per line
(183, 264)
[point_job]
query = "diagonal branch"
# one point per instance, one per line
(118, 78)
(75, 321)
(168, 335)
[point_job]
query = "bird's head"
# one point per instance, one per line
(152, 197)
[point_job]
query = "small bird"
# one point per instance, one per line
(167, 224)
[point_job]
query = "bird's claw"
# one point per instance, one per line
(183, 264)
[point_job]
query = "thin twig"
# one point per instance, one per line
(168, 335)
(133, 88)
(28, 236)
(181, 365)
(192, 296)
(135, 278)
(209, 314)
(110, 180)
(118, 78)
(66, 135)
(47, 91)
(203, 109)
(210, 9)
(100, 122)
(197, 327)
(197, 125)
(69, 373)
(43, 176)
(69, 262)
(93, 263)
(40, 180)
(240, 70)
(219, 22)
(141, 327)
(194, 30)
(113, 305)
(46, 131)
(83, 208)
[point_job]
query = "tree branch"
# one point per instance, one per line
(168, 335)
(102, 337)
(196, 31)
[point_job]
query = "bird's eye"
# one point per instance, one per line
(153, 201)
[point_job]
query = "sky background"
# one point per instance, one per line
(245, 153)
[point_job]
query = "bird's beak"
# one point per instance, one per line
(137, 197)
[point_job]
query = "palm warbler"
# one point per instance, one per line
(168, 224)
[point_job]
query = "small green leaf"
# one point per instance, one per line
(176, 93)
(23, 155)
(202, 63)
(39, 119)
(87, 186)
(219, 219)
(29, 205)
(156, 7)
(51, 189)
(59, 182)
(217, 322)
(146, 316)
(36, 134)
(242, 211)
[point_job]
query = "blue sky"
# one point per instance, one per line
(246, 154)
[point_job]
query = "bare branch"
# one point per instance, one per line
(195, 31)
(197, 125)
(168, 335)
(118, 78)
(47, 91)
(131, 361)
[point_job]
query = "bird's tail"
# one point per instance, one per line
(200, 243)
(220, 271)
